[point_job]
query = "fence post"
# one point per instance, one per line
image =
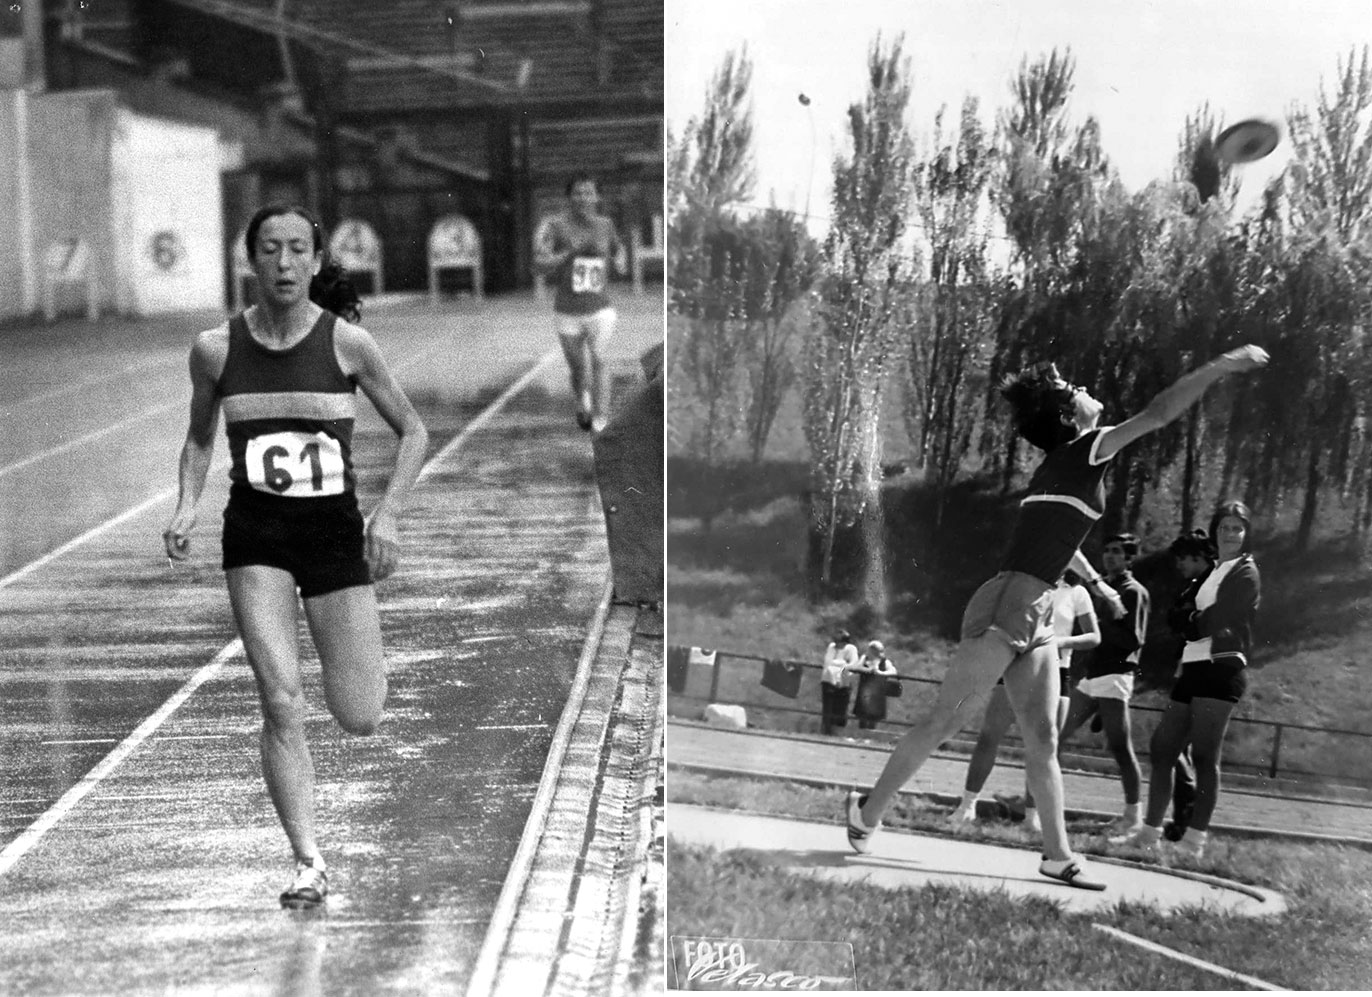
(1276, 751)
(714, 678)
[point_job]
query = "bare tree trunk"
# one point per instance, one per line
(1308, 509)
(1190, 470)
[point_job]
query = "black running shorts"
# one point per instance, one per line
(318, 541)
(1223, 679)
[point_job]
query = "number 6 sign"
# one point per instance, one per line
(296, 465)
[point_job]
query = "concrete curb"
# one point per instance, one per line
(948, 800)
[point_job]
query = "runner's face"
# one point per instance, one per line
(1114, 559)
(585, 198)
(1229, 537)
(285, 259)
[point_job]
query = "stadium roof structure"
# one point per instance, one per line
(364, 63)
(428, 54)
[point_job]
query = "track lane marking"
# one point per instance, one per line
(67, 389)
(483, 977)
(31, 835)
(72, 444)
(1163, 950)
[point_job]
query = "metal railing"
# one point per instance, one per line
(684, 675)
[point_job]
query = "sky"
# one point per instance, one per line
(1142, 67)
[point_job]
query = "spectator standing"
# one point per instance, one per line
(873, 671)
(836, 681)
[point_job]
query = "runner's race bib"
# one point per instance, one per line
(295, 464)
(588, 275)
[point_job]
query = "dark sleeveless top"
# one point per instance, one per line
(1066, 496)
(289, 415)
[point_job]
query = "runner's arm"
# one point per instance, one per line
(1086, 631)
(1093, 581)
(364, 362)
(1172, 402)
(547, 257)
(206, 362)
(619, 253)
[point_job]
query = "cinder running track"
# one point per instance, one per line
(138, 850)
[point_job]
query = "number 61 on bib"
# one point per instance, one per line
(295, 464)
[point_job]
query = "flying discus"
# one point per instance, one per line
(1247, 141)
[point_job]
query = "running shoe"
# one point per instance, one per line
(310, 887)
(1013, 805)
(1071, 871)
(1032, 824)
(1121, 827)
(1145, 839)
(1190, 848)
(963, 816)
(859, 834)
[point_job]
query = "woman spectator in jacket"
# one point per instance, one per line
(1219, 639)
(873, 670)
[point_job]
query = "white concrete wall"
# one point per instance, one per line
(13, 195)
(168, 216)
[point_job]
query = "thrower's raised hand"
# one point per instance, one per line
(1246, 358)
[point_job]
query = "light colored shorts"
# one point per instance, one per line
(596, 328)
(1016, 606)
(1120, 686)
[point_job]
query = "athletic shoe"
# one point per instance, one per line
(1014, 805)
(1190, 848)
(963, 815)
(1122, 827)
(310, 887)
(1173, 831)
(1145, 839)
(1071, 871)
(859, 834)
(1032, 824)
(598, 424)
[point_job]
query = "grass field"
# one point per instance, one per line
(951, 938)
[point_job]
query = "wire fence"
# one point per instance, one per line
(1271, 748)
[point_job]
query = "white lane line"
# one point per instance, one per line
(1144, 943)
(16, 849)
(68, 389)
(97, 531)
(193, 737)
(488, 413)
(512, 727)
(482, 980)
(86, 740)
(72, 444)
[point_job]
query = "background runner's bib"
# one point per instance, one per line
(588, 275)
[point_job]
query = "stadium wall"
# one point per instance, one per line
(142, 194)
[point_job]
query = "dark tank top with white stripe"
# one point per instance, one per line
(289, 415)
(1066, 496)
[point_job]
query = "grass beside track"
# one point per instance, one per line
(943, 937)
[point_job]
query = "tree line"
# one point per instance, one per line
(951, 263)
